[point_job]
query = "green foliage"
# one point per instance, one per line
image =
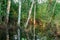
(44, 12)
(57, 13)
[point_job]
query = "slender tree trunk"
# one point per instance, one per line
(29, 16)
(0, 14)
(7, 18)
(34, 19)
(52, 13)
(19, 18)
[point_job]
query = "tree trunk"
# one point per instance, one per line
(29, 16)
(19, 18)
(7, 19)
(34, 19)
(0, 14)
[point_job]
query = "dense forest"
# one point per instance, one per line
(29, 19)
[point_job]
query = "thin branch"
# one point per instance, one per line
(29, 14)
(19, 15)
(53, 12)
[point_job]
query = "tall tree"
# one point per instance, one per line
(19, 18)
(29, 16)
(34, 19)
(7, 18)
(0, 13)
(53, 12)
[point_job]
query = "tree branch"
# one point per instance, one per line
(29, 14)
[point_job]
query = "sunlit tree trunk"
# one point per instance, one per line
(29, 16)
(53, 10)
(19, 18)
(7, 18)
(34, 19)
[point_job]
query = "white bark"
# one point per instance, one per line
(29, 16)
(53, 12)
(41, 1)
(15, 1)
(19, 18)
(58, 1)
(7, 17)
(8, 10)
(34, 19)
